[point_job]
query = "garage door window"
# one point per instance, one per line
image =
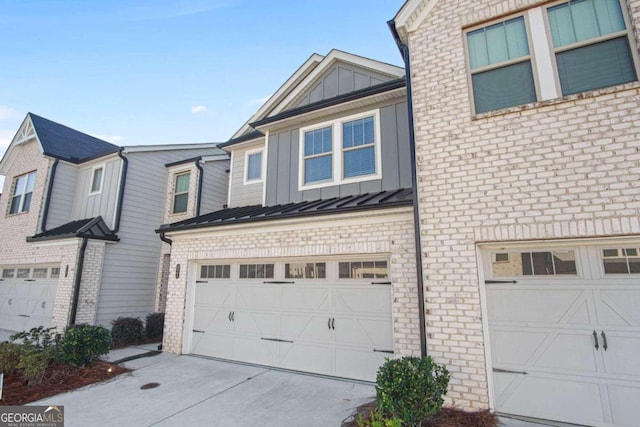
(40, 273)
(8, 273)
(55, 272)
(215, 271)
(514, 264)
(308, 270)
(23, 273)
(363, 270)
(256, 271)
(621, 261)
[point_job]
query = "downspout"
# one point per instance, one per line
(47, 201)
(77, 282)
(200, 179)
(404, 50)
(165, 239)
(123, 181)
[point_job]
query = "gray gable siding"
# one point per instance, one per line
(62, 195)
(283, 162)
(104, 203)
(339, 80)
(130, 266)
(214, 186)
(242, 194)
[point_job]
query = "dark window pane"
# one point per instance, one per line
(615, 266)
(631, 252)
(321, 269)
(503, 87)
(359, 162)
(318, 169)
(15, 204)
(343, 270)
(542, 263)
(634, 265)
(596, 66)
(218, 271)
(203, 272)
(610, 252)
(565, 262)
(243, 271)
(268, 271)
(27, 202)
(180, 203)
(226, 272)
(526, 264)
(381, 270)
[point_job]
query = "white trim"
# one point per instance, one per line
(230, 179)
(247, 154)
(404, 16)
(93, 172)
(337, 152)
(542, 63)
(175, 193)
(169, 147)
(265, 157)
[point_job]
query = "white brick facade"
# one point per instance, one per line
(566, 168)
(388, 232)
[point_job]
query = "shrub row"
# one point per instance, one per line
(131, 330)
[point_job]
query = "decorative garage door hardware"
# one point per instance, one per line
(276, 340)
(197, 331)
(380, 283)
(232, 316)
(332, 323)
(202, 281)
(24, 315)
(491, 282)
(383, 351)
(507, 371)
(29, 280)
(278, 282)
(604, 339)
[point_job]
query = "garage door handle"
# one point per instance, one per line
(508, 371)
(276, 340)
(595, 339)
(278, 282)
(24, 315)
(383, 351)
(29, 280)
(197, 331)
(202, 281)
(380, 283)
(489, 282)
(604, 339)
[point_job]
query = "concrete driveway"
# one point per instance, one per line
(195, 391)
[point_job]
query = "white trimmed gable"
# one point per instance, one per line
(411, 15)
(25, 133)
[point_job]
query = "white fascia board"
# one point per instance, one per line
(19, 139)
(215, 158)
(328, 61)
(287, 86)
(407, 20)
(246, 144)
(168, 147)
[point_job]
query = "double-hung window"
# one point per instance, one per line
(548, 52)
(253, 162)
(340, 151)
(22, 191)
(181, 193)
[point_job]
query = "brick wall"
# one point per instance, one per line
(564, 168)
(90, 285)
(376, 233)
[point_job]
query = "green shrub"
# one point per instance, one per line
(84, 344)
(9, 357)
(126, 331)
(377, 419)
(39, 338)
(411, 388)
(34, 362)
(154, 326)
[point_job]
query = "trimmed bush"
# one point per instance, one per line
(84, 344)
(34, 362)
(9, 357)
(126, 331)
(39, 338)
(154, 326)
(411, 388)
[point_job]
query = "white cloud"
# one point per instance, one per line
(114, 139)
(258, 101)
(8, 113)
(199, 109)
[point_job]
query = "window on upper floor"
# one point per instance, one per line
(342, 151)
(253, 162)
(96, 180)
(22, 192)
(548, 52)
(181, 193)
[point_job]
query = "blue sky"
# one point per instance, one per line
(159, 72)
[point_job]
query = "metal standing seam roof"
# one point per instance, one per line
(62, 142)
(256, 213)
(90, 228)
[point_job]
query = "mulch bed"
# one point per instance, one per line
(58, 378)
(447, 417)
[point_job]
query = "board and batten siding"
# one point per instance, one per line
(214, 186)
(130, 267)
(242, 194)
(283, 161)
(103, 204)
(340, 80)
(62, 195)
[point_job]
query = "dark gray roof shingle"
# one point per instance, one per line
(383, 199)
(64, 143)
(91, 228)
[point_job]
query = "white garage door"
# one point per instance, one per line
(27, 294)
(564, 328)
(330, 318)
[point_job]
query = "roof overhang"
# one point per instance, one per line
(90, 228)
(411, 15)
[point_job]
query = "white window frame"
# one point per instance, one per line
(173, 199)
(542, 53)
(247, 154)
(23, 194)
(337, 152)
(93, 192)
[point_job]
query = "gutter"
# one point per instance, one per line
(165, 238)
(47, 201)
(404, 50)
(200, 179)
(123, 181)
(78, 281)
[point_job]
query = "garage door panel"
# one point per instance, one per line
(309, 299)
(255, 324)
(515, 347)
(212, 320)
(619, 307)
(624, 400)
(255, 350)
(257, 297)
(565, 352)
(300, 327)
(351, 300)
(216, 295)
(307, 357)
(537, 305)
(215, 345)
(358, 363)
(369, 333)
(623, 355)
(551, 398)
